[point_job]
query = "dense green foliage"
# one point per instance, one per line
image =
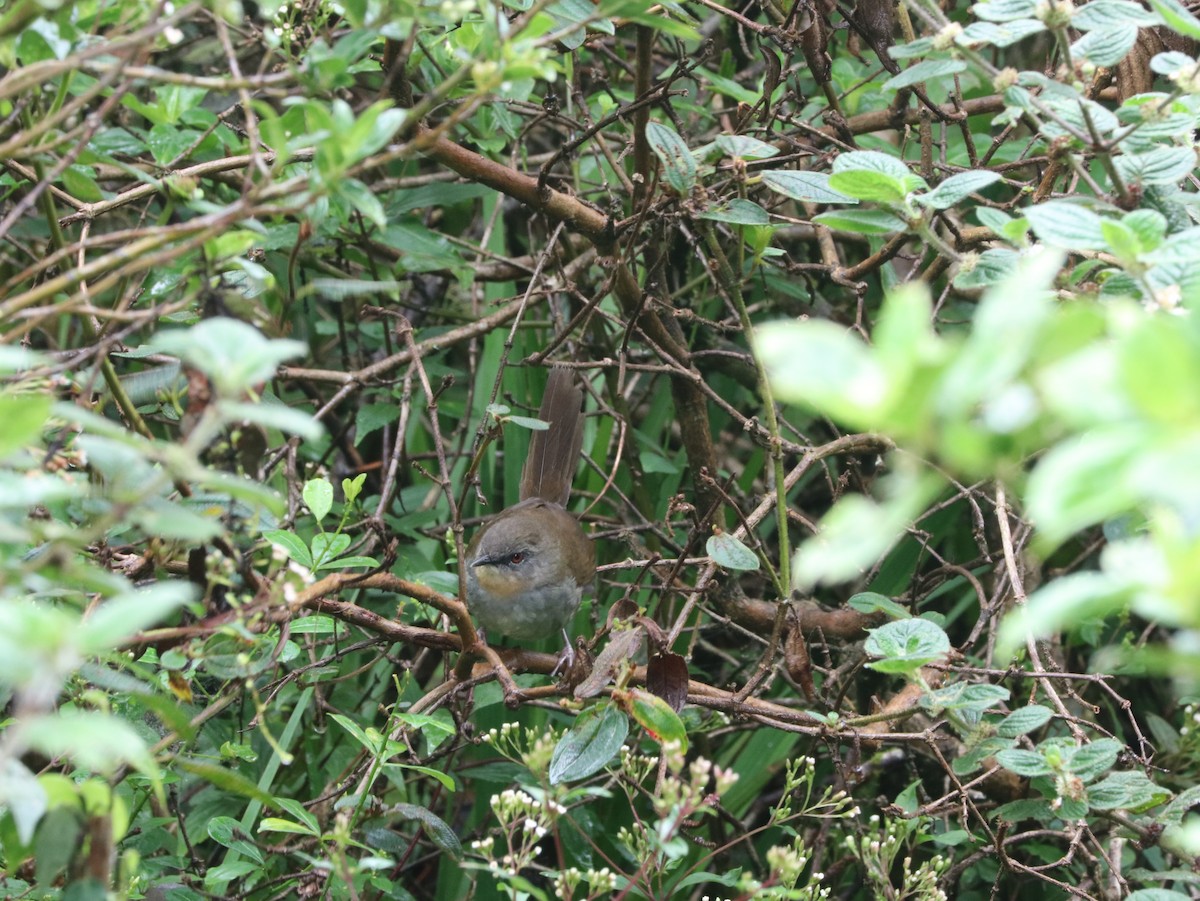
(886, 317)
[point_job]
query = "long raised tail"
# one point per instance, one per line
(554, 452)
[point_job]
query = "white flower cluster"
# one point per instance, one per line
(600, 882)
(530, 748)
(799, 784)
(637, 767)
(880, 847)
(524, 821)
(687, 795)
(505, 733)
(1191, 715)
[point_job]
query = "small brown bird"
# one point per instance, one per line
(528, 566)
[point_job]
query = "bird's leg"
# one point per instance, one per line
(566, 659)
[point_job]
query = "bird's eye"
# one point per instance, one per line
(517, 559)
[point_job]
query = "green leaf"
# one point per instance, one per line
(346, 288)
(23, 416)
(348, 563)
(1005, 226)
(573, 12)
(679, 23)
(167, 519)
(807, 187)
(1171, 62)
(80, 183)
(1159, 166)
(589, 745)
(824, 367)
(1024, 720)
(421, 250)
(1028, 809)
(738, 212)
(352, 488)
(1107, 13)
(372, 417)
(972, 760)
(318, 496)
(957, 187)
(924, 71)
(1084, 480)
(1081, 114)
(727, 551)
(229, 870)
(746, 147)
(1121, 239)
(906, 645)
(42, 39)
(862, 222)
(435, 728)
(868, 185)
(1150, 226)
(57, 844)
(1024, 763)
(127, 614)
(446, 780)
(13, 359)
(1177, 17)
(93, 740)
(872, 161)
(728, 879)
(1158, 368)
(911, 49)
(679, 166)
(20, 491)
(224, 779)
(275, 416)
(23, 796)
(259, 498)
(1106, 46)
(362, 199)
(1068, 225)
(230, 352)
(291, 545)
(317, 624)
(374, 742)
(328, 545)
(1181, 247)
(1063, 602)
(1094, 758)
(168, 142)
(992, 267)
(1003, 337)
(871, 602)
(1180, 806)
(655, 715)
(1127, 790)
(528, 422)
(730, 87)
(228, 832)
(435, 827)
(1003, 34)
(232, 243)
(858, 530)
(974, 697)
(276, 824)
(1005, 10)
(299, 813)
